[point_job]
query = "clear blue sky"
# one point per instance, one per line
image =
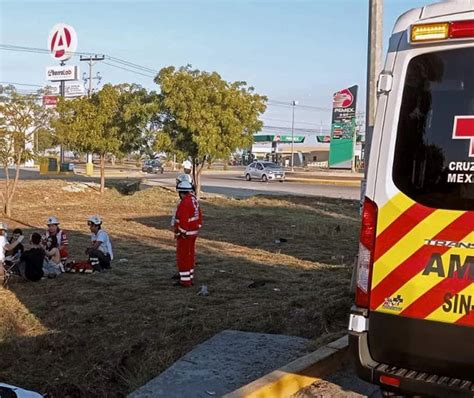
(293, 49)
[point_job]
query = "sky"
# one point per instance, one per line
(302, 50)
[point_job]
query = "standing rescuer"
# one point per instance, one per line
(187, 222)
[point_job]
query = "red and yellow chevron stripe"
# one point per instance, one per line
(428, 281)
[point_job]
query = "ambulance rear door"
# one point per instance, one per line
(422, 280)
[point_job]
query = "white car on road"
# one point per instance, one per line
(264, 171)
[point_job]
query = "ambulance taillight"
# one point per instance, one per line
(366, 253)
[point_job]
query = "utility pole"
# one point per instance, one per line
(293, 103)
(90, 60)
(62, 93)
(374, 66)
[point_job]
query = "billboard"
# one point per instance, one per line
(58, 73)
(62, 42)
(343, 128)
(50, 101)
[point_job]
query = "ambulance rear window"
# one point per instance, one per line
(434, 152)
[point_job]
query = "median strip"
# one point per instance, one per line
(298, 374)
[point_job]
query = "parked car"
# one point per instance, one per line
(264, 171)
(152, 166)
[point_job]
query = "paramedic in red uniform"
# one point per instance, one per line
(187, 223)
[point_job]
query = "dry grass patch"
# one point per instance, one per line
(103, 335)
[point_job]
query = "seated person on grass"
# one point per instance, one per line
(53, 257)
(6, 246)
(18, 250)
(31, 261)
(100, 252)
(55, 232)
(12, 257)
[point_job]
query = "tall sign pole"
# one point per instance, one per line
(374, 66)
(293, 104)
(62, 43)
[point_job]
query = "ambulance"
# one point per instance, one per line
(411, 330)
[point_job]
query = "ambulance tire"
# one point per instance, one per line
(247, 177)
(264, 178)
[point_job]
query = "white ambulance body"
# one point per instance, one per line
(412, 327)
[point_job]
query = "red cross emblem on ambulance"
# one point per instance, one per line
(464, 130)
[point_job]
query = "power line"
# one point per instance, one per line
(126, 69)
(145, 71)
(289, 121)
(21, 84)
(130, 65)
(301, 130)
(289, 104)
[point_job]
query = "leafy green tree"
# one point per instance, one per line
(116, 120)
(205, 117)
(137, 109)
(88, 125)
(21, 118)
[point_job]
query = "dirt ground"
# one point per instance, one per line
(105, 334)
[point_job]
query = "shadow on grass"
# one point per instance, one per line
(313, 229)
(103, 335)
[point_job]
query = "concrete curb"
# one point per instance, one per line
(296, 375)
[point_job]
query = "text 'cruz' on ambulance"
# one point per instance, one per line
(411, 329)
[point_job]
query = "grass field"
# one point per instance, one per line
(105, 334)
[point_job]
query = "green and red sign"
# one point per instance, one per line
(278, 138)
(343, 128)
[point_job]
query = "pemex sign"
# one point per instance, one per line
(341, 149)
(62, 42)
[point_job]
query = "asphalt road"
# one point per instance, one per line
(235, 185)
(224, 183)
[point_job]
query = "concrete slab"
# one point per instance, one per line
(223, 363)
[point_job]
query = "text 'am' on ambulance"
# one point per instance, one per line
(411, 329)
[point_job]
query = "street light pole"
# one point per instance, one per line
(293, 103)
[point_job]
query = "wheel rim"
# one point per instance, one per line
(247, 177)
(264, 178)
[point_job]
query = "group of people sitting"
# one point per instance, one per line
(48, 254)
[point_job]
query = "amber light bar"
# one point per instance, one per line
(442, 31)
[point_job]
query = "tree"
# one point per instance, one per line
(137, 109)
(21, 118)
(88, 125)
(205, 117)
(116, 120)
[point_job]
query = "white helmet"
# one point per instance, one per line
(3, 226)
(184, 186)
(184, 177)
(52, 221)
(95, 220)
(187, 165)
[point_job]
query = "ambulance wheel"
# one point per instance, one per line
(247, 177)
(264, 178)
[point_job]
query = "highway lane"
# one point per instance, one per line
(224, 183)
(231, 184)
